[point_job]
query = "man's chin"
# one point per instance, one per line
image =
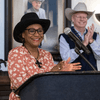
(37, 8)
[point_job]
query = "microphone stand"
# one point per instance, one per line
(78, 52)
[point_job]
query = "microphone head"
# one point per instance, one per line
(67, 30)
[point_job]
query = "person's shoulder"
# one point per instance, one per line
(28, 10)
(44, 52)
(18, 49)
(96, 32)
(41, 9)
(62, 34)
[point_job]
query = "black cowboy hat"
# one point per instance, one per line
(26, 20)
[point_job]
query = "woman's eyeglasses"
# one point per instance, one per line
(32, 31)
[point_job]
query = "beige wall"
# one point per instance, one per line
(60, 16)
(19, 7)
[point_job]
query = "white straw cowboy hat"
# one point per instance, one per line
(36, 0)
(80, 7)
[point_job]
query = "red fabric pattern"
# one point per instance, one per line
(21, 65)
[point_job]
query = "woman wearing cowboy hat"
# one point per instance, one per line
(27, 60)
(36, 4)
(79, 16)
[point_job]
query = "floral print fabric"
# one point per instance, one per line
(21, 65)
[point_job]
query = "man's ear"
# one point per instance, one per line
(72, 19)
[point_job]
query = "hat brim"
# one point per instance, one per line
(21, 26)
(69, 12)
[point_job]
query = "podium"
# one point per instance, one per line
(62, 86)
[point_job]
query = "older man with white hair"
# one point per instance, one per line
(36, 7)
(79, 16)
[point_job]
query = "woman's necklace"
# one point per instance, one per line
(37, 62)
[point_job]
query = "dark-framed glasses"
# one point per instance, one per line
(32, 31)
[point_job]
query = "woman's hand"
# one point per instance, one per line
(58, 67)
(71, 66)
(66, 66)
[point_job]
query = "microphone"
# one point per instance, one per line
(76, 40)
